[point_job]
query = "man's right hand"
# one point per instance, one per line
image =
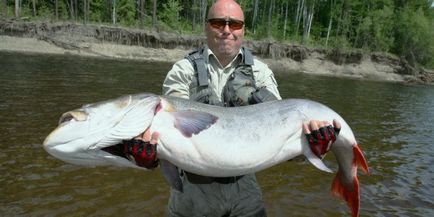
(143, 150)
(321, 135)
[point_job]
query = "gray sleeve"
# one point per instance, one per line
(178, 79)
(264, 77)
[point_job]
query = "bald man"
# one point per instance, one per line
(222, 73)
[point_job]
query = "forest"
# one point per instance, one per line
(403, 28)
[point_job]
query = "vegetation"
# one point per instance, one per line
(405, 28)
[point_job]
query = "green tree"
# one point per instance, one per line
(98, 11)
(375, 31)
(414, 36)
(170, 14)
(126, 12)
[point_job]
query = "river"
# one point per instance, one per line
(393, 123)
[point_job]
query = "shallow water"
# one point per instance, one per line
(394, 125)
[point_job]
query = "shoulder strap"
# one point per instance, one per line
(248, 57)
(197, 60)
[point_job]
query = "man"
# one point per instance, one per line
(222, 73)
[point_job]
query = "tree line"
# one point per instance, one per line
(405, 28)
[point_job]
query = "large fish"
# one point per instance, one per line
(204, 139)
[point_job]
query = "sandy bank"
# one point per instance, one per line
(105, 50)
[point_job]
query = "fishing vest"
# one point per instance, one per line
(239, 90)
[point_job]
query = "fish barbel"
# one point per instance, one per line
(204, 139)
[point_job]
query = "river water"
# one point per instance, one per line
(394, 125)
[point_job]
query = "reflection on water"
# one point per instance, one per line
(393, 123)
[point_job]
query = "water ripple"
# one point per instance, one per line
(393, 123)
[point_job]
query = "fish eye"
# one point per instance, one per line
(65, 118)
(77, 115)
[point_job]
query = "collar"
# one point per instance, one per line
(237, 59)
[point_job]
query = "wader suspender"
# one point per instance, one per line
(197, 59)
(248, 57)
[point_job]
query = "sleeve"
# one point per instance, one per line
(178, 79)
(264, 77)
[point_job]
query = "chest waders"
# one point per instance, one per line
(239, 90)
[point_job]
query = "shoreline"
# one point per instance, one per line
(136, 53)
(141, 45)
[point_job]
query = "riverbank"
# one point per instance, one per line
(124, 43)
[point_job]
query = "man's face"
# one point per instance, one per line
(225, 30)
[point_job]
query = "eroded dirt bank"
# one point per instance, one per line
(116, 42)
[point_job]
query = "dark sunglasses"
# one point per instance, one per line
(220, 23)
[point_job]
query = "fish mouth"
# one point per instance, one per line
(117, 150)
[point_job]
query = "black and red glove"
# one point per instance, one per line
(143, 153)
(320, 140)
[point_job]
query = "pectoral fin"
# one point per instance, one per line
(170, 173)
(193, 122)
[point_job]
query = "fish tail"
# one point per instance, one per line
(349, 190)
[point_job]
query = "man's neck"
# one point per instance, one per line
(225, 60)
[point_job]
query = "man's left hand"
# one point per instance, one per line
(143, 149)
(321, 135)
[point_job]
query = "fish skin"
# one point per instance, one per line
(209, 140)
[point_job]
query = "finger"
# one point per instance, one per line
(326, 139)
(313, 124)
(147, 135)
(306, 129)
(154, 138)
(134, 149)
(140, 147)
(317, 135)
(130, 146)
(337, 127)
(149, 148)
(332, 133)
(329, 146)
(337, 124)
(325, 134)
(322, 124)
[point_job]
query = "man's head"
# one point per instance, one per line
(224, 29)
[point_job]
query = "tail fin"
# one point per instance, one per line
(350, 191)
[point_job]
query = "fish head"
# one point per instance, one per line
(91, 135)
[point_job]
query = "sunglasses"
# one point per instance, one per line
(220, 23)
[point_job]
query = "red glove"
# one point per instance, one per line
(143, 153)
(320, 140)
